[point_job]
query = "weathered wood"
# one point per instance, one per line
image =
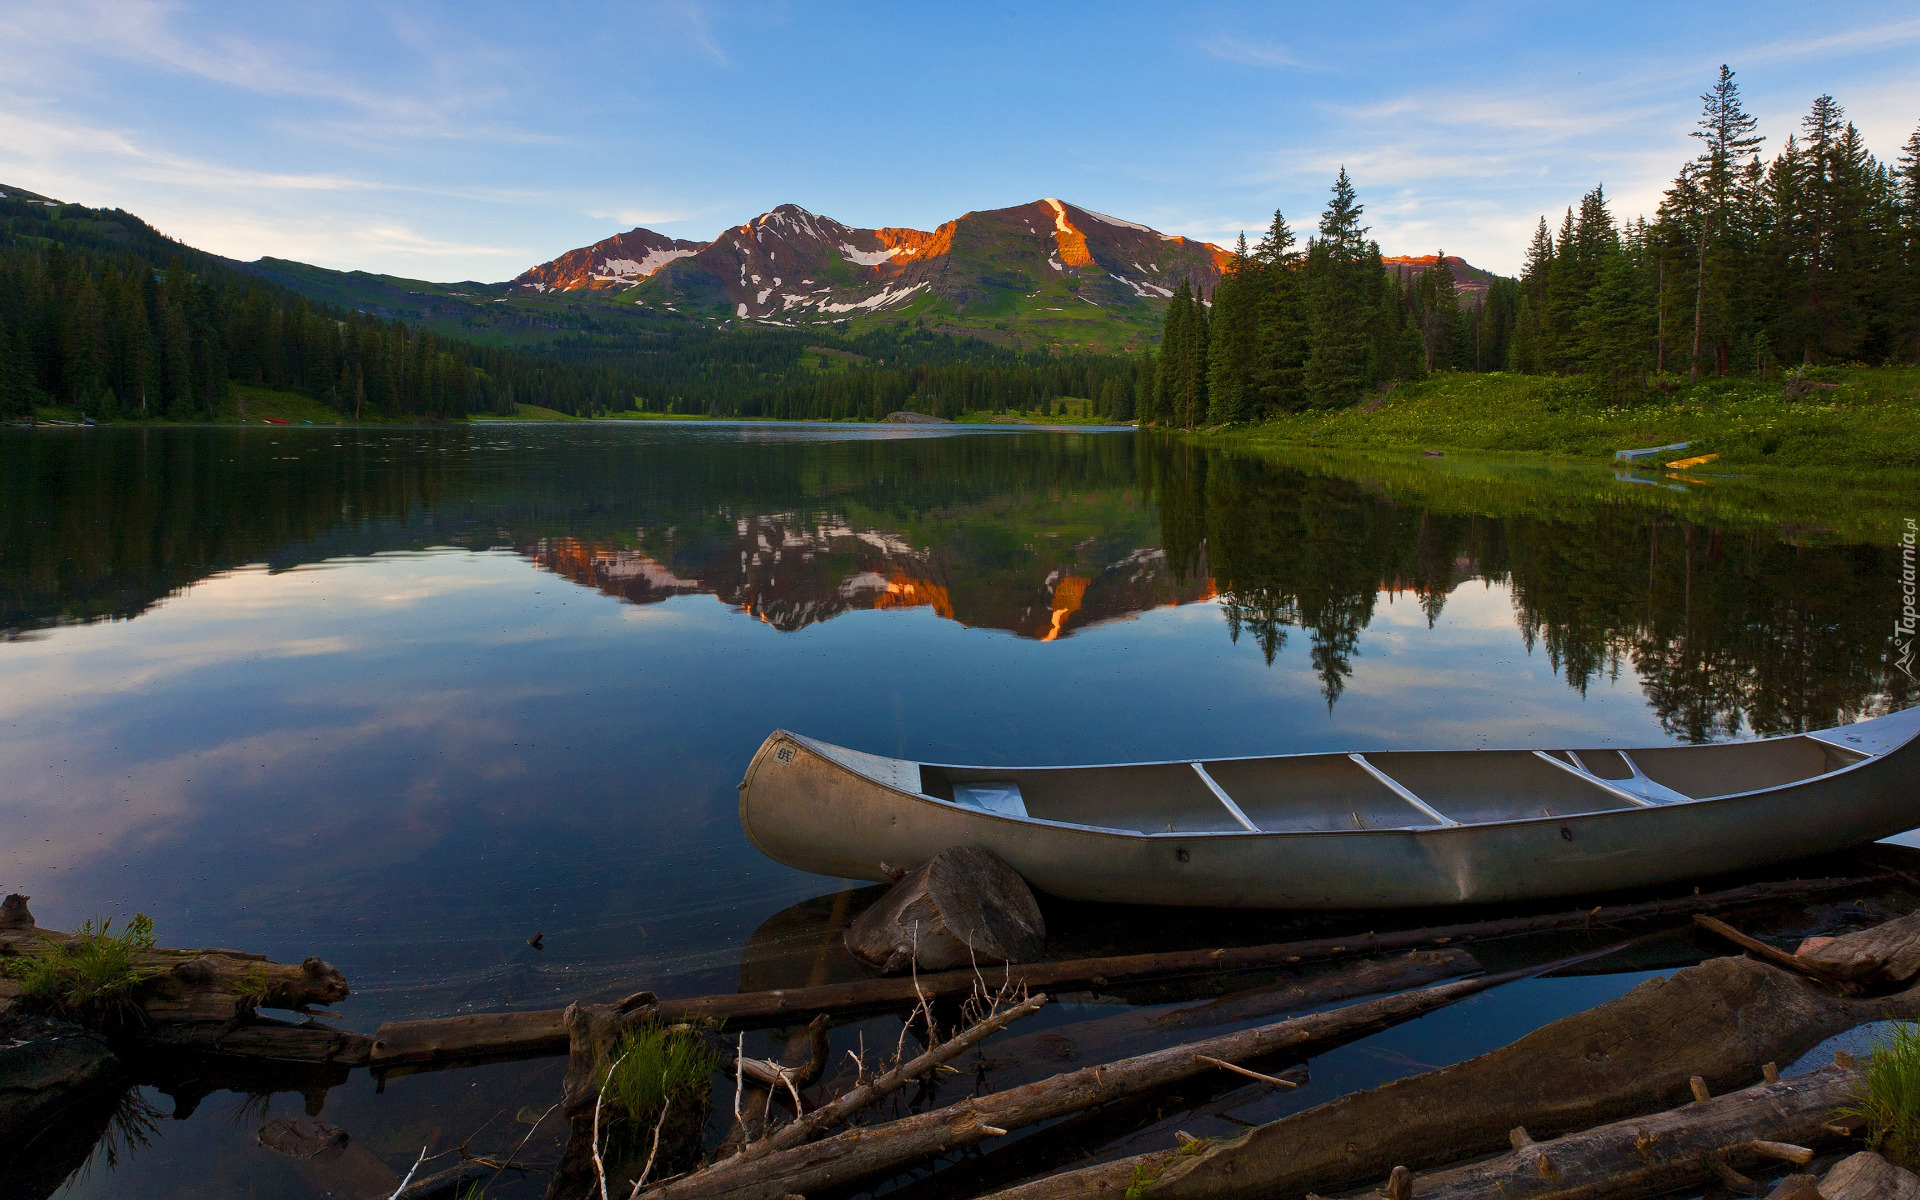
(195, 985)
(1652, 1155)
(543, 1032)
(1720, 1021)
(1887, 953)
(1807, 966)
(1033, 1056)
(591, 1029)
(263, 1039)
(1867, 1176)
(778, 1076)
(859, 1153)
(962, 907)
(469, 1038)
(863, 1096)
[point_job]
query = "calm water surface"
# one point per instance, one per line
(402, 698)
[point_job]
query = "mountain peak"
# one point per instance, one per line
(790, 265)
(624, 258)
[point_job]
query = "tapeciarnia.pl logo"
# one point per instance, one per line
(1903, 626)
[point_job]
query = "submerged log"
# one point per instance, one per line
(861, 1153)
(961, 907)
(448, 1040)
(260, 1038)
(1110, 1037)
(1719, 1021)
(1652, 1155)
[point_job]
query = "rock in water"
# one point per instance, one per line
(964, 906)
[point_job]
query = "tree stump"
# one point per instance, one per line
(964, 906)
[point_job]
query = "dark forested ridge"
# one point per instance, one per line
(101, 313)
(1749, 265)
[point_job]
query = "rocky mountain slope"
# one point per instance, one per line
(1048, 262)
(1470, 283)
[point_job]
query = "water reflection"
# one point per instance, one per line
(401, 698)
(1734, 628)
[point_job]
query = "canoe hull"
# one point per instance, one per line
(805, 809)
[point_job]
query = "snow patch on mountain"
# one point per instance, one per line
(631, 268)
(1115, 221)
(872, 258)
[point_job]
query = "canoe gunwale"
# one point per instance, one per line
(1449, 826)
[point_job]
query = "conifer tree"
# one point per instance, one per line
(1173, 355)
(1729, 135)
(1193, 407)
(1281, 322)
(1906, 188)
(1339, 295)
(1439, 309)
(1232, 340)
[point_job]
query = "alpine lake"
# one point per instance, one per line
(403, 698)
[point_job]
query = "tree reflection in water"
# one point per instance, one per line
(1734, 625)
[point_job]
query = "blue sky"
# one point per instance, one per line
(446, 141)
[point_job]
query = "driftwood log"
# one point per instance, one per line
(1761, 1126)
(862, 1153)
(453, 1040)
(1036, 1055)
(208, 1000)
(1719, 1021)
(1867, 1176)
(961, 907)
(1887, 953)
(191, 985)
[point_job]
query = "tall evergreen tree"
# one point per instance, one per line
(1340, 291)
(1438, 306)
(1233, 338)
(1729, 135)
(1281, 322)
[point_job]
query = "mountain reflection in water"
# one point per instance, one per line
(1733, 628)
(402, 698)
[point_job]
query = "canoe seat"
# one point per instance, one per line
(995, 796)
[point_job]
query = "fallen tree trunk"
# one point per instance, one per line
(543, 1032)
(860, 1153)
(1719, 1021)
(263, 1039)
(1112, 1037)
(1651, 1155)
(191, 985)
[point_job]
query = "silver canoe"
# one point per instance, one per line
(1377, 830)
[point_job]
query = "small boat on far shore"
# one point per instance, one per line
(1403, 828)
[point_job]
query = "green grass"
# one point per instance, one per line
(652, 1065)
(1870, 420)
(1889, 1098)
(528, 412)
(92, 979)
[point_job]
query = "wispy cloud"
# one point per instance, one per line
(1256, 54)
(1847, 41)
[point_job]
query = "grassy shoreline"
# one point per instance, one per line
(1856, 419)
